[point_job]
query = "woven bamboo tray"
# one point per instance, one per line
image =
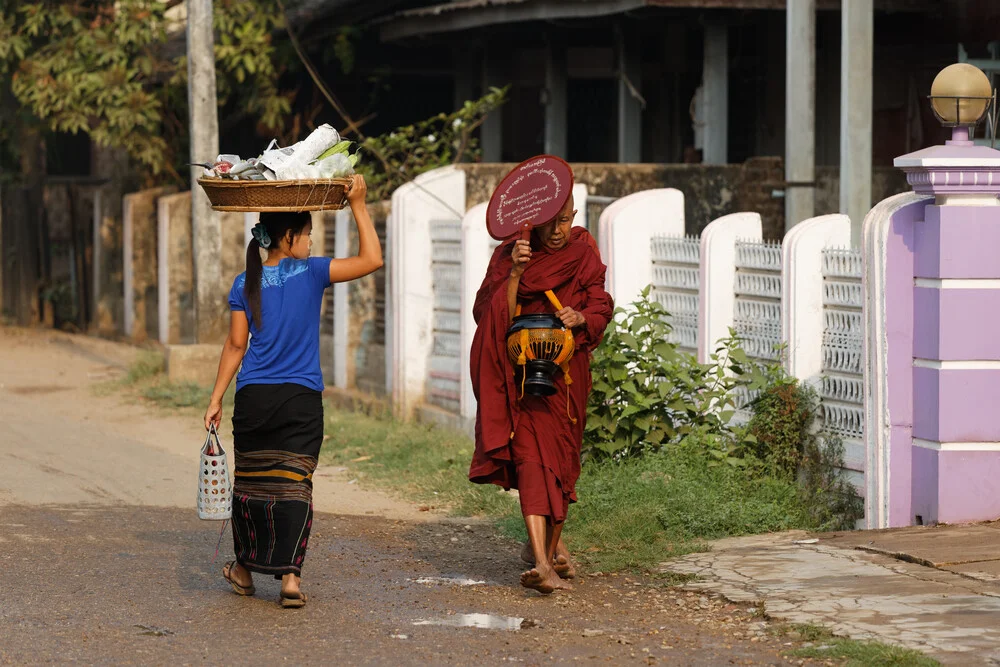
(322, 194)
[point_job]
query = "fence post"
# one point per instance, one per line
(802, 322)
(175, 281)
(717, 290)
(627, 228)
(139, 262)
(580, 203)
(341, 301)
(433, 196)
(477, 249)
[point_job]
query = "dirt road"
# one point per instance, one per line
(105, 561)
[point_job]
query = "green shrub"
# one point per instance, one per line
(829, 499)
(648, 393)
(782, 422)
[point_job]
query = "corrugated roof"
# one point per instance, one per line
(456, 5)
(467, 14)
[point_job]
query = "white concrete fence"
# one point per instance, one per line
(802, 295)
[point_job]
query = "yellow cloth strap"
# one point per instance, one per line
(553, 299)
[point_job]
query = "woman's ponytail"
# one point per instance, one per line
(268, 233)
(255, 271)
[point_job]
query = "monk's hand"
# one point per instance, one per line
(571, 319)
(521, 254)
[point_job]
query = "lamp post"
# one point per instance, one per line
(961, 96)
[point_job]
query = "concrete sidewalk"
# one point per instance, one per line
(934, 589)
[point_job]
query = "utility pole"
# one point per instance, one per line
(206, 236)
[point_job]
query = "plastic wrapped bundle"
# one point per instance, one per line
(285, 162)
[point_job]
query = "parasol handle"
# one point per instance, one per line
(553, 299)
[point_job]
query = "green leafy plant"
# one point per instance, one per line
(783, 417)
(406, 152)
(828, 497)
(647, 392)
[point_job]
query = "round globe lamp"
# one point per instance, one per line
(961, 95)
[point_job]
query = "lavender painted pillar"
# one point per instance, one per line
(956, 349)
(932, 350)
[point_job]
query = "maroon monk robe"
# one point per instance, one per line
(533, 444)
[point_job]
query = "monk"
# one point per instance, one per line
(532, 443)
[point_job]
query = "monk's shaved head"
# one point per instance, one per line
(555, 234)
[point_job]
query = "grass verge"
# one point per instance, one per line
(146, 381)
(421, 462)
(631, 515)
(824, 645)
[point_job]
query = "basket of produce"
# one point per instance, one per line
(313, 175)
(320, 194)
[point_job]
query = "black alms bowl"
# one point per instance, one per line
(537, 376)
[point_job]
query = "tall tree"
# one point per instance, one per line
(100, 67)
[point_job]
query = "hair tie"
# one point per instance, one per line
(259, 232)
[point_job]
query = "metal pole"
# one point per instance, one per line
(629, 107)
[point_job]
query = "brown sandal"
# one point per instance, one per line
(293, 600)
(227, 572)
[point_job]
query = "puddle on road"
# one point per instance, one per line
(449, 581)
(481, 621)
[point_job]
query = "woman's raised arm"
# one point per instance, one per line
(369, 257)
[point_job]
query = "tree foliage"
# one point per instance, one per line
(99, 67)
(407, 152)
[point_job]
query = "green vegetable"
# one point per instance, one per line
(342, 147)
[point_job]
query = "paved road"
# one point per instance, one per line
(104, 561)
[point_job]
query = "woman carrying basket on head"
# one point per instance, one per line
(278, 415)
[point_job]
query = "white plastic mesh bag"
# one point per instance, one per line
(215, 489)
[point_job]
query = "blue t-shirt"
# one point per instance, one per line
(286, 347)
